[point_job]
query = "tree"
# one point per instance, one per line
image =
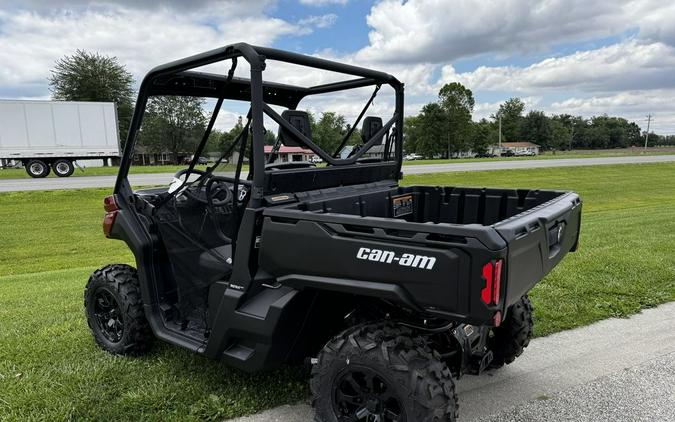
(432, 131)
(329, 130)
(484, 135)
(88, 76)
(511, 113)
(411, 133)
(536, 128)
(457, 102)
(173, 124)
(560, 135)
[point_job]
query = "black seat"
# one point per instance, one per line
(216, 263)
(371, 125)
(299, 120)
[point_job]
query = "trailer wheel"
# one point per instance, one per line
(381, 372)
(37, 168)
(509, 340)
(63, 167)
(114, 311)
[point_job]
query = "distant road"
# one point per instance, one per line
(51, 183)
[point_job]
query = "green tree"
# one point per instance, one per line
(457, 103)
(432, 131)
(411, 133)
(561, 136)
(88, 76)
(329, 130)
(484, 135)
(175, 124)
(536, 128)
(511, 113)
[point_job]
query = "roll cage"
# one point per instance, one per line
(178, 78)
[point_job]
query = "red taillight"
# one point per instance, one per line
(111, 208)
(492, 273)
(110, 203)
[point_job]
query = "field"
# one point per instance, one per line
(20, 173)
(51, 370)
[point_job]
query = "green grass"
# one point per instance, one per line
(555, 155)
(51, 370)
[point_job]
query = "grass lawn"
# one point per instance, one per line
(51, 370)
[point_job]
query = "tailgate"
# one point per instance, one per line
(537, 240)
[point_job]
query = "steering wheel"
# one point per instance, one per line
(189, 192)
(218, 192)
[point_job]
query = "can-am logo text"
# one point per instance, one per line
(388, 257)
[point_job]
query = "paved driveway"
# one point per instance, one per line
(163, 179)
(614, 370)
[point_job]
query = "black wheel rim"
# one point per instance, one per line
(108, 315)
(361, 394)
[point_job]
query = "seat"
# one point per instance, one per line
(371, 125)
(299, 120)
(216, 263)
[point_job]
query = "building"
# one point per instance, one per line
(290, 154)
(517, 149)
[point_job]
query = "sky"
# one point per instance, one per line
(560, 56)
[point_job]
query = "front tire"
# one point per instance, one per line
(509, 340)
(37, 169)
(63, 167)
(381, 372)
(114, 310)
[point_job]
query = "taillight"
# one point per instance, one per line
(110, 203)
(492, 273)
(111, 208)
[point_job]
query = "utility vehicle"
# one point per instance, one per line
(390, 292)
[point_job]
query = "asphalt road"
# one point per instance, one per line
(163, 179)
(614, 370)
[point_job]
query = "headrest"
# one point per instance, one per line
(371, 125)
(299, 120)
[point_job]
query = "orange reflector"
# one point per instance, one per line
(497, 319)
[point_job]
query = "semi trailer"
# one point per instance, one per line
(52, 135)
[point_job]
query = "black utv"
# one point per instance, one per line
(390, 292)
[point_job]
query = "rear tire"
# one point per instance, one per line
(114, 310)
(37, 169)
(63, 167)
(381, 372)
(509, 340)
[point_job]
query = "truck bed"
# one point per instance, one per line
(421, 246)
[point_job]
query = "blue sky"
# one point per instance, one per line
(560, 56)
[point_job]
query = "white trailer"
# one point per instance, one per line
(52, 134)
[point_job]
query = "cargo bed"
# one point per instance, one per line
(421, 246)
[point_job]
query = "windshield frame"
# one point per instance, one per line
(177, 78)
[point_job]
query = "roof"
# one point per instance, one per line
(289, 150)
(519, 144)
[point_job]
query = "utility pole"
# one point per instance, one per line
(571, 137)
(500, 136)
(649, 120)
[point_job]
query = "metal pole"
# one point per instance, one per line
(649, 120)
(500, 133)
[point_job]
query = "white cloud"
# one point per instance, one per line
(632, 105)
(439, 31)
(443, 30)
(624, 66)
(30, 42)
(323, 21)
(322, 2)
